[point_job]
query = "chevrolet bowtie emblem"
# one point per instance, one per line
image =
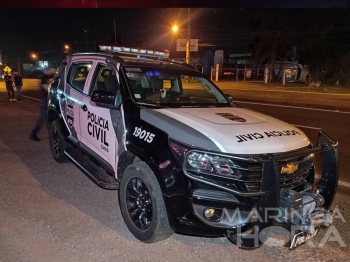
(289, 169)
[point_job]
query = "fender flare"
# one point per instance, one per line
(135, 153)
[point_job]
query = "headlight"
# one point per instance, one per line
(211, 164)
(200, 161)
(202, 165)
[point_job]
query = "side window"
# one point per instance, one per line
(104, 79)
(77, 75)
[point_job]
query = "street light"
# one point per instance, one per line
(175, 28)
(40, 55)
(188, 39)
(36, 56)
(68, 48)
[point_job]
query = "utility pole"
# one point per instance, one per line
(86, 38)
(188, 42)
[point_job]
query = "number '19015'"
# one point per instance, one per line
(143, 134)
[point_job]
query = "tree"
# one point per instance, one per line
(271, 43)
(325, 46)
(343, 70)
(313, 37)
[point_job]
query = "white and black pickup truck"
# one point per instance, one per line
(183, 157)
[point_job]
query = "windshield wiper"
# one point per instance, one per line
(147, 104)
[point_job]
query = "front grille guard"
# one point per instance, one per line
(326, 146)
(270, 184)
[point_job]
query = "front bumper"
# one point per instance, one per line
(246, 215)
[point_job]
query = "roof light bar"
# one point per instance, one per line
(135, 51)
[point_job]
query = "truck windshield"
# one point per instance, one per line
(173, 88)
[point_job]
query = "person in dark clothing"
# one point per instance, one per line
(9, 87)
(44, 84)
(18, 83)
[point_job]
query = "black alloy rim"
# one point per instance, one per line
(139, 203)
(56, 142)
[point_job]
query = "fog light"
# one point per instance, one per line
(209, 212)
(212, 214)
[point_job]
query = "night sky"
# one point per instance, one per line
(34, 30)
(26, 31)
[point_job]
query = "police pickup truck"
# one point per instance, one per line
(183, 157)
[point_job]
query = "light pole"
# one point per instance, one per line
(188, 43)
(86, 38)
(188, 39)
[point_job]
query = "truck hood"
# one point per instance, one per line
(228, 129)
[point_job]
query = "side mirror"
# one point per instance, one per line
(103, 98)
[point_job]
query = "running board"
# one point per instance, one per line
(93, 171)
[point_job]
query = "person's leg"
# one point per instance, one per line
(8, 92)
(19, 94)
(40, 121)
(12, 92)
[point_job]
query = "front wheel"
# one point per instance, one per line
(142, 205)
(57, 142)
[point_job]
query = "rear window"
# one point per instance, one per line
(77, 75)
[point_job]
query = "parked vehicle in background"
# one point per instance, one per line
(294, 72)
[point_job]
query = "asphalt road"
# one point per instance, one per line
(53, 212)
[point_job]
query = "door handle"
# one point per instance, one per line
(84, 107)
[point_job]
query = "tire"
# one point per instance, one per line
(57, 142)
(140, 196)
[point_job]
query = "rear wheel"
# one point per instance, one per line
(57, 142)
(142, 205)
